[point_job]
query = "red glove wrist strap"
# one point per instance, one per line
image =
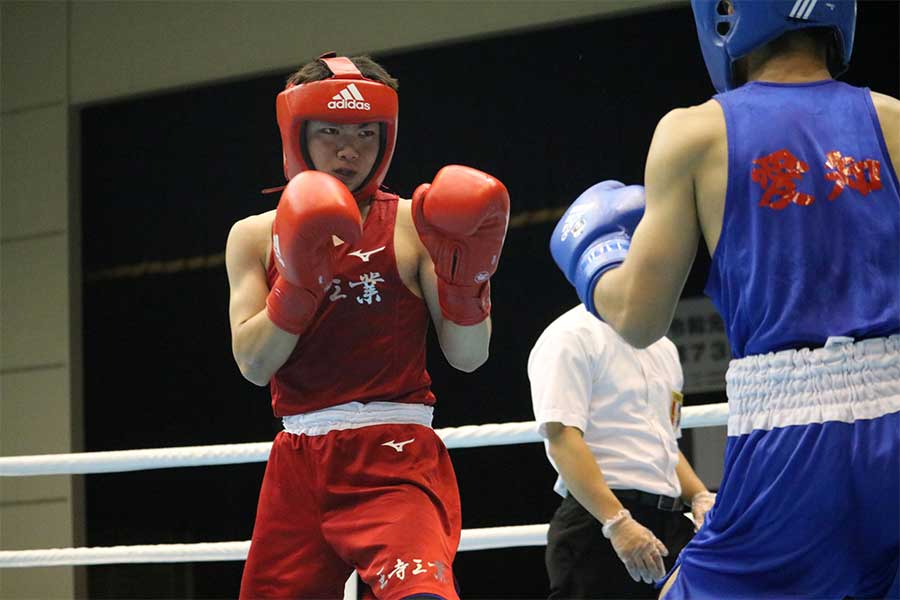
(465, 305)
(289, 307)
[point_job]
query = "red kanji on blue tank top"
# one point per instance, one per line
(790, 269)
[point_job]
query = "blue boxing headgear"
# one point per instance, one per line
(724, 38)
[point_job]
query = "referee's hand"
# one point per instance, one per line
(700, 505)
(638, 549)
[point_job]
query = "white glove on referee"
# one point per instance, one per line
(638, 549)
(700, 505)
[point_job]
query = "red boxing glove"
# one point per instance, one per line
(461, 218)
(313, 207)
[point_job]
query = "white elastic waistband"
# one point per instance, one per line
(844, 381)
(354, 415)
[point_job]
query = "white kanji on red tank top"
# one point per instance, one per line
(366, 342)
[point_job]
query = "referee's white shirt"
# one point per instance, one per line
(626, 401)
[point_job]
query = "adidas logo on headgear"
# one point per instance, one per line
(349, 97)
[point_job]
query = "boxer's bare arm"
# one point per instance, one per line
(465, 348)
(259, 347)
(638, 299)
(888, 109)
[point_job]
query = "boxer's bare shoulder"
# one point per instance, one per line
(408, 248)
(690, 134)
(688, 163)
(251, 237)
(886, 103)
(888, 109)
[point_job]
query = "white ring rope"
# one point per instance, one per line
(133, 460)
(472, 539)
(469, 436)
(151, 553)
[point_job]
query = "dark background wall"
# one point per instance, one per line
(549, 112)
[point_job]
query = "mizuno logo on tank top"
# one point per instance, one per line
(350, 98)
(364, 256)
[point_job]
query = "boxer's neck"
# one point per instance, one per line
(799, 62)
(364, 206)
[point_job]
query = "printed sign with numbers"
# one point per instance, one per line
(698, 332)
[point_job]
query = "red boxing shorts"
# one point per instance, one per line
(380, 499)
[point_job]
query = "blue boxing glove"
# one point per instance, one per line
(594, 234)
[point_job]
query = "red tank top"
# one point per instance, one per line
(366, 343)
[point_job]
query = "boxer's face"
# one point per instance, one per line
(346, 151)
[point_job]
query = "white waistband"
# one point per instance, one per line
(354, 415)
(844, 381)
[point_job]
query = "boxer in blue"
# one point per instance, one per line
(791, 179)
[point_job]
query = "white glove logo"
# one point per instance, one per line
(277, 250)
(574, 223)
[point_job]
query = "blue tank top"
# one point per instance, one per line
(810, 241)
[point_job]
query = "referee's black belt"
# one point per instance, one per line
(666, 503)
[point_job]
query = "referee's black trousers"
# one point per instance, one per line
(581, 563)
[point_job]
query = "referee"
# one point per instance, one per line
(610, 416)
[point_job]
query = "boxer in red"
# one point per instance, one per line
(330, 299)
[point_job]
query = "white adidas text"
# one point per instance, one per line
(351, 98)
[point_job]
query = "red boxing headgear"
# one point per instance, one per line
(346, 97)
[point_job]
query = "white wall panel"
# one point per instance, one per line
(37, 525)
(35, 419)
(33, 182)
(34, 54)
(124, 48)
(34, 303)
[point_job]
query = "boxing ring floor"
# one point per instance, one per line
(470, 436)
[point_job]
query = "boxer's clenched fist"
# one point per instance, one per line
(461, 218)
(313, 207)
(594, 234)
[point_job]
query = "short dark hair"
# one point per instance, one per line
(317, 70)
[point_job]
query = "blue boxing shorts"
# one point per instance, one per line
(809, 505)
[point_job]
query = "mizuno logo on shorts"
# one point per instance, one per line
(349, 97)
(398, 446)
